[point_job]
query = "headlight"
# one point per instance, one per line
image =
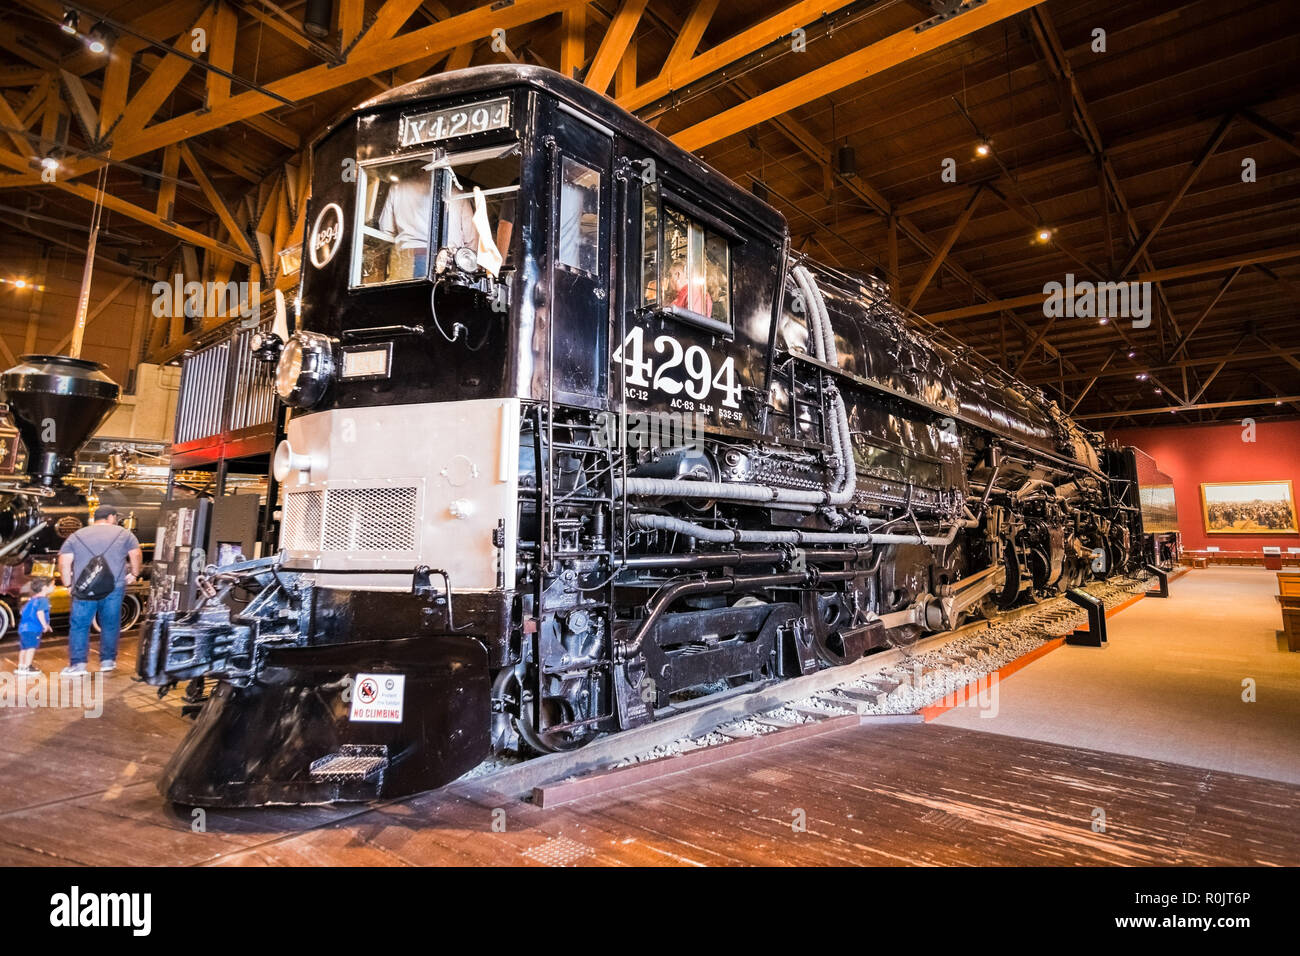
(466, 260)
(305, 368)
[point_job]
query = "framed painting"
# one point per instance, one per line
(1249, 507)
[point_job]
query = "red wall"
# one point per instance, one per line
(1191, 454)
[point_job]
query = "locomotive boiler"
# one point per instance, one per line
(576, 439)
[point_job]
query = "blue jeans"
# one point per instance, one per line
(109, 611)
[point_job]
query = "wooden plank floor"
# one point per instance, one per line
(81, 791)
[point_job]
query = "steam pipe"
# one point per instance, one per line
(726, 559)
(1032, 485)
(802, 279)
(742, 536)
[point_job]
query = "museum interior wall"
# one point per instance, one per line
(1192, 454)
(36, 319)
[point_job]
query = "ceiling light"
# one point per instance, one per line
(1160, 391)
(1132, 355)
(1044, 234)
(1142, 376)
(98, 38)
(49, 162)
(846, 161)
(21, 283)
(69, 25)
(983, 148)
(1104, 320)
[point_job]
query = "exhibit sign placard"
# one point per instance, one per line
(378, 698)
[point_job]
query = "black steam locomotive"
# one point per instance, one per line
(576, 438)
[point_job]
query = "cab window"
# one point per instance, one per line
(488, 178)
(579, 244)
(396, 199)
(685, 264)
(399, 198)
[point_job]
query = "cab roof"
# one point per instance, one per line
(586, 101)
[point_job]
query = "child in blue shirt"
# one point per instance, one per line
(33, 622)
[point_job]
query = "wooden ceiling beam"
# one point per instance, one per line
(808, 143)
(1285, 355)
(362, 63)
(688, 37)
(871, 59)
(573, 41)
(1277, 134)
(221, 54)
(1057, 63)
(1205, 312)
(113, 95)
(1166, 409)
(1155, 275)
(944, 247)
(614, 44)
(1083, 393)
(82, 108)
(218, 204)
(390, 18)
(1172, 202)
(1170, 367)
(352, 21)
(131, 211)
(719, 57)
(9, 119)
(163, 80)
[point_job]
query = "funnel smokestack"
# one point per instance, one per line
(57, 403)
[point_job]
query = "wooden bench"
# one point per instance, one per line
(1288, 594)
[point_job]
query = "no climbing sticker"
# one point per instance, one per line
(377, 698)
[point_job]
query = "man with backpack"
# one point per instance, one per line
(96, 564)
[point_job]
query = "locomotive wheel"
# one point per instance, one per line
(1006, 598)
(1118, 557)
(555, 710)
(827, 614)
(547, 741)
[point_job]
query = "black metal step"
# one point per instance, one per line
(352, 762)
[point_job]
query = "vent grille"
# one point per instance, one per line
(370, 519)
(381, 518)
(302, 520)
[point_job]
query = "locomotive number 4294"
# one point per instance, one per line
(682, 369)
